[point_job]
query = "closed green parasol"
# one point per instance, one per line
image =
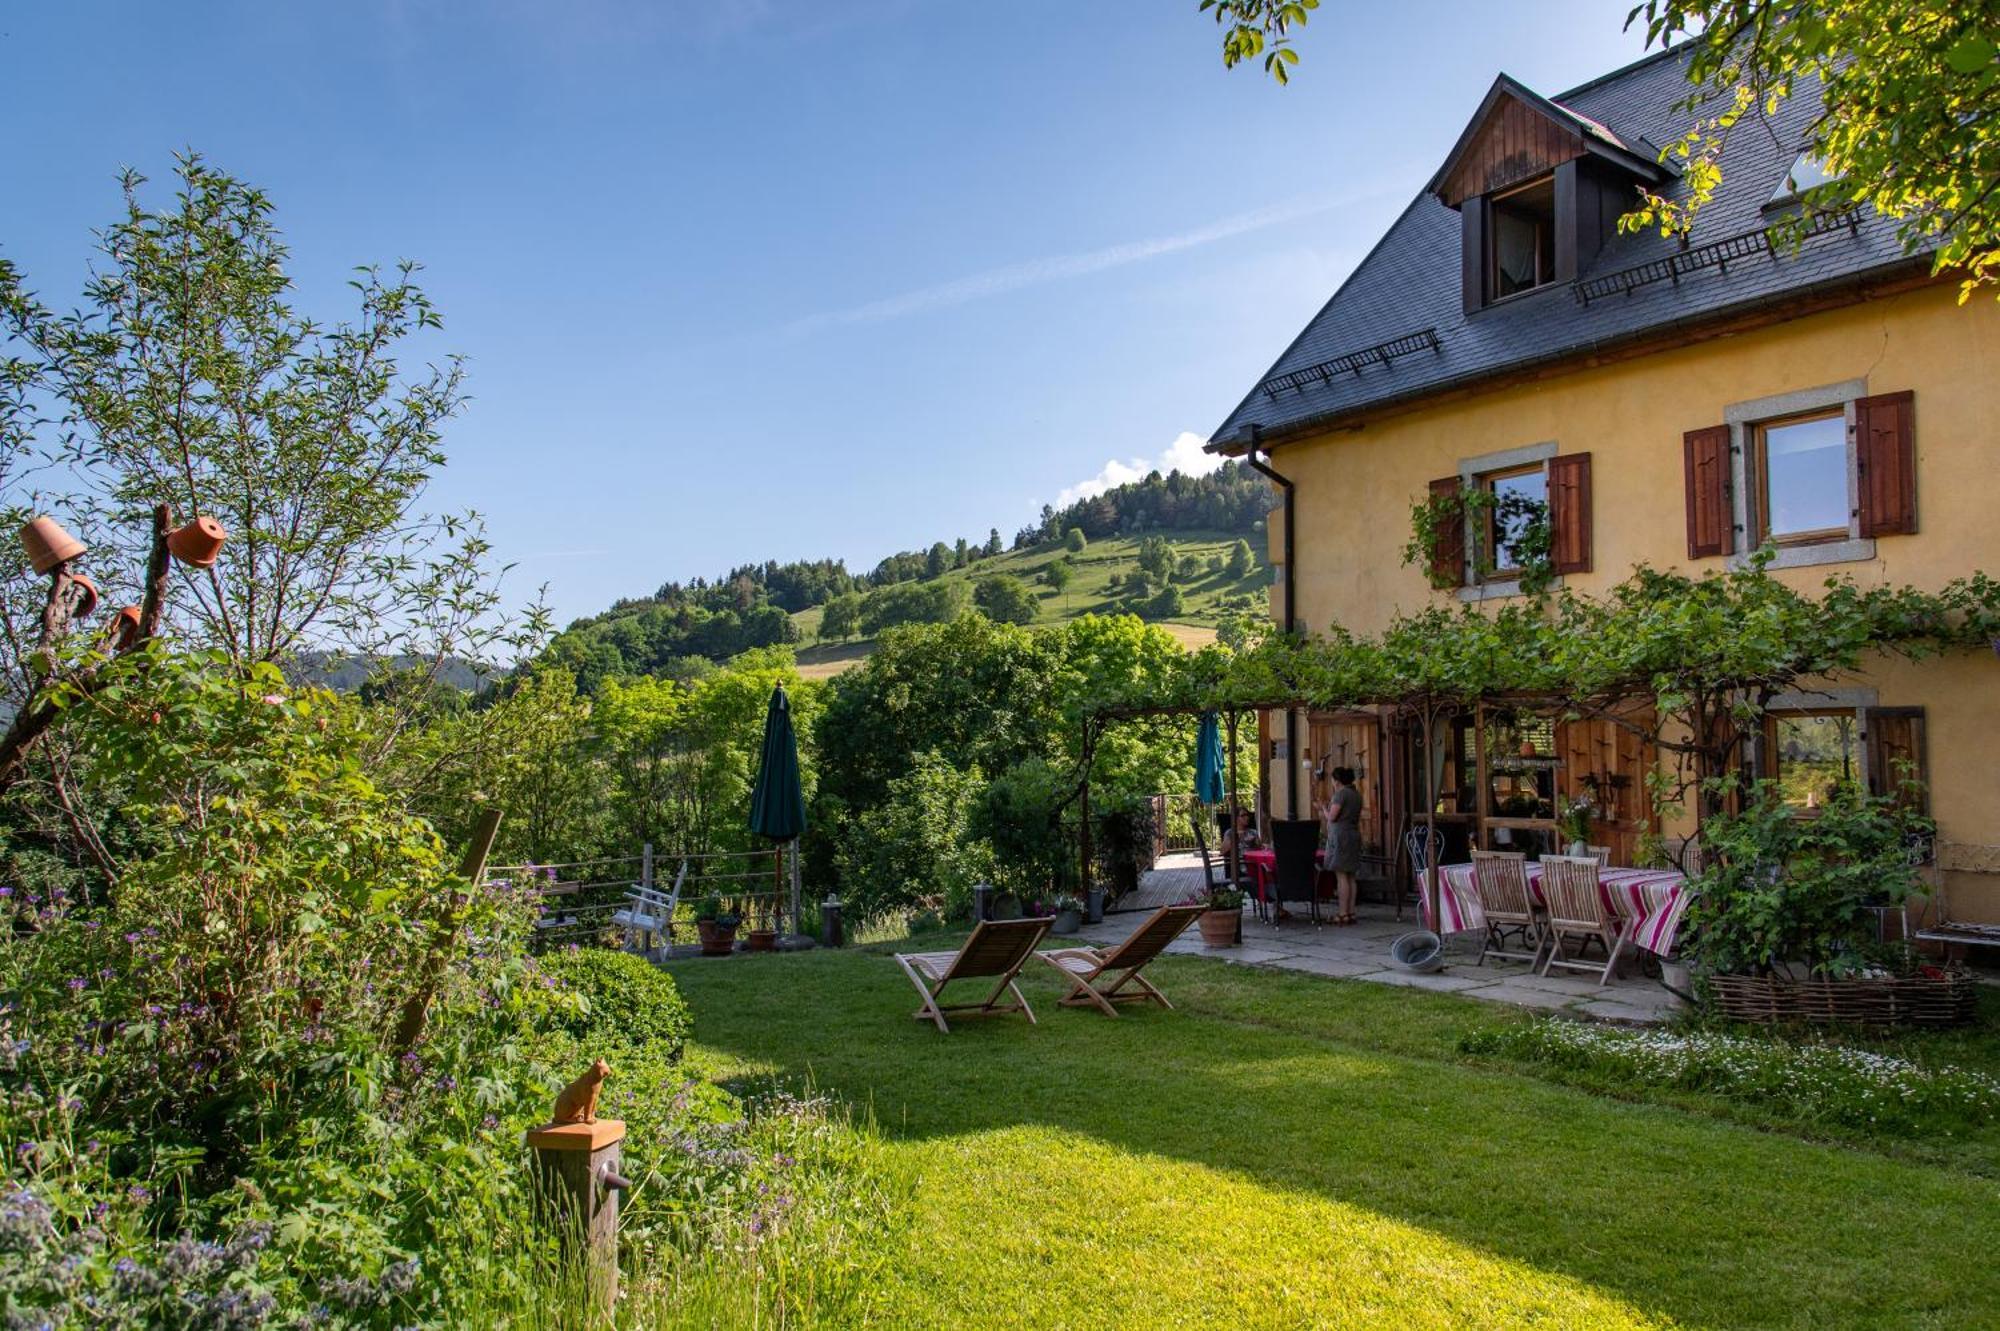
(777, 803)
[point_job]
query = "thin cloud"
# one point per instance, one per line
(1056, 268)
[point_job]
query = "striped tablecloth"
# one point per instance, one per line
(1652, 900)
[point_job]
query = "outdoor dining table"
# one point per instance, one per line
(1651, 901)
(1262, 867)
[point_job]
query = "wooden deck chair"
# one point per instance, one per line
(1577, 910)
(996, 951)
(1084, 967)
(1500, 877)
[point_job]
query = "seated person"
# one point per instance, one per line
(1243, 836)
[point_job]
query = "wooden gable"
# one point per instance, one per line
(1510, 143)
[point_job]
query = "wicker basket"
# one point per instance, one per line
(1918, 1001)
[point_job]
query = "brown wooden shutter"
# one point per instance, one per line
(1569, 513)
(1885, 463)
(1710, 522)
(1448, 561)
(1896, 737)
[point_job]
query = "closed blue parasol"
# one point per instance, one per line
(1208, 761)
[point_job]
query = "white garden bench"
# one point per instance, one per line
(650, 911)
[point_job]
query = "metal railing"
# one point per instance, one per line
(1174, 820)
(579, 898)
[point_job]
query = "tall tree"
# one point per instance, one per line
(188, 378)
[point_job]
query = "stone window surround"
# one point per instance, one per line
(1469, 472)
(1742, 418)
(1858, 699)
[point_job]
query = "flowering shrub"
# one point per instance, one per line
(1816, 1083)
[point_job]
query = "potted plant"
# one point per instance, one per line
(763, 935)
(1222, 918)
(1573, 823)
(716, 926)
(1068, 913)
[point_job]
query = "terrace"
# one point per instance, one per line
(1362, 953)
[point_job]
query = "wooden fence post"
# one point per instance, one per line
(577, 1184)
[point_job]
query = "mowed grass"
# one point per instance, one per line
(1285, 1151)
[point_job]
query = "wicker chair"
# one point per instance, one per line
(1577, 910)
(1501, 880)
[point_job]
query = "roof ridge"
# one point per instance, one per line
(1644, 60)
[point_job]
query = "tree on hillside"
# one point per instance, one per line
(1058, 575)
(1169, 603)
(1156, 558)
(961, 554)
(841, 617)
(993, 546)
(1074, 540)
(1241, 561)
(938, 561)
(912, 603)
(1004, 599)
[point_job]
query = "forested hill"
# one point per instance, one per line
(1164, 546)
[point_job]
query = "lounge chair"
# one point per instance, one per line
(996, 951)
(1084, 967)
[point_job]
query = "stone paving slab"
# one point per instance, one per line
(1519, 997)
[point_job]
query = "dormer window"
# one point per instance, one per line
(1521, 253)
(1538, 188)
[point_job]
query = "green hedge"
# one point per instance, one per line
(626, 1000)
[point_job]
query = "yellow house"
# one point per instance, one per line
(1661, 402)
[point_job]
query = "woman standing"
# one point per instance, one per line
(1341, 815)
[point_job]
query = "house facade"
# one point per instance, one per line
(1609, 400)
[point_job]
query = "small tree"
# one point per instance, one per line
(1058, 576)
(841, 617)
(1004, 599)
(938, 560)
(1074, 540)
(1156, 558)
(1241, 561)
(1169, 603)
(993, 546)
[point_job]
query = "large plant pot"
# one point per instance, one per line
(1093, 906)
(1067, 922)
(762, 940)
(1218, 927)
(717, 940)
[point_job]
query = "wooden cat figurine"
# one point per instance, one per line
(578, 1101)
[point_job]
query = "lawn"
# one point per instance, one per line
(1286, 1151)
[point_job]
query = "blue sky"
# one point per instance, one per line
(784, 278)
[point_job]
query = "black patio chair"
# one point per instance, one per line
(1295, 841)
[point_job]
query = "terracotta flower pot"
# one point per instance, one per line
(717, 940)
(48, 544)
(86, 596)
(198, 544)
(124, 629)
(1218, 927)
(763, 940)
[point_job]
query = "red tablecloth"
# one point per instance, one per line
(1262, 866)
(1651, 901)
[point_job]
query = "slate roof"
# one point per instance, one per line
(1406, 297)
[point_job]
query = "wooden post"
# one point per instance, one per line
(1234, 867)
(577, 1183)
(646, 866)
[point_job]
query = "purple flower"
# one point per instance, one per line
(78, 982)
